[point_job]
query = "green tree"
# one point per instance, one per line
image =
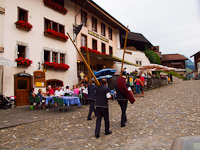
(153, 57)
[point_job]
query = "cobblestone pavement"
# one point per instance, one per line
(153, 123)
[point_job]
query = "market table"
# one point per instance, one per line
(69, 100)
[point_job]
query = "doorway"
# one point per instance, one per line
(22, 88)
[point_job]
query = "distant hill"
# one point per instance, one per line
(189, 64)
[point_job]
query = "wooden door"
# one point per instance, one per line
(22, 90)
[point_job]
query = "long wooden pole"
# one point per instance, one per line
(124, 51)
(88, 61)
(88, 67)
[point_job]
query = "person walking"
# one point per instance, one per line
(123, 102)
(91, 98)
(102, 96)
(142, 85)
(137, 86)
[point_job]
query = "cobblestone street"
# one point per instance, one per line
(153, 123)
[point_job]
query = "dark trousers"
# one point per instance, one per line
(92, 103)
(102, 112)
(123, 105)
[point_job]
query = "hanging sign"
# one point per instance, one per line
(39, 79)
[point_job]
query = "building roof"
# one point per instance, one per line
(136, 37)
(195, 54)
(171, 57)
(100, 12)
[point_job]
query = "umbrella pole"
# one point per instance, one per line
(88, 67)
(124, 51)
(88, 60)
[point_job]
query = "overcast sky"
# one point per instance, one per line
(174, 25)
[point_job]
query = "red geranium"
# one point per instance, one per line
(61, 66)
(23, 61)
(92, 50)
(56, 6)
(57, 34)
(24, 24)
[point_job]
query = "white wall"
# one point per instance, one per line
(36, 41)
(136, 55)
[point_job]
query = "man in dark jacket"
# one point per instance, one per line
(91, 97)
(123, 101)
(102, 96)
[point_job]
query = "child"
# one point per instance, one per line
(40, 93)
(137, 86)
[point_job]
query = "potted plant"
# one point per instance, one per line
(55, 6)
(57, 66)
(23, 25)
(23, 61)
(56, 35)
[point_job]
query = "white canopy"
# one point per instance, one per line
(6, 62)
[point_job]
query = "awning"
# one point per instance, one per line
(109, 57)
(6, 62)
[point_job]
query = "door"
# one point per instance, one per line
(22, 90)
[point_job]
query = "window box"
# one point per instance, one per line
(55, 7)
(23, 25)
(57, 66)
(84, 48)
(23, 62)
(56, 35)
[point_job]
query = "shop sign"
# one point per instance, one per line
(39, 79)
(98, 36)
(24, 75)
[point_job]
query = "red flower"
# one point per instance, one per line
(57, 34)
(56, 6)
(23, 61)
(24, 24)
(56, 65)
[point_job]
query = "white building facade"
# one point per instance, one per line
(35, 45)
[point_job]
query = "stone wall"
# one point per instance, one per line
(153, 82)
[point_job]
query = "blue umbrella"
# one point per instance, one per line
(104, 72)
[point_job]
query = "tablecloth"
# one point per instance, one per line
(69, 100)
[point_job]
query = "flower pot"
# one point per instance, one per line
(54, 37)
(54, 8)
(22, 28)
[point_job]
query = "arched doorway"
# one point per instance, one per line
(54, 83)
(23, 85)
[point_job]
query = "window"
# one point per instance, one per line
(139, 62)
(94, 44)
(62, 58)
(55, 26)
(94, 24)
(47, 56)
(21, 51)
(22, 84)
(110, 50)
(84, 18)
(103, 48)
(83, 40)
(48, 24)
(59, 2)
(103, 29)
(54, 83)
(22, 14)
(110, 33)
(55, 57)
(61, 29)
